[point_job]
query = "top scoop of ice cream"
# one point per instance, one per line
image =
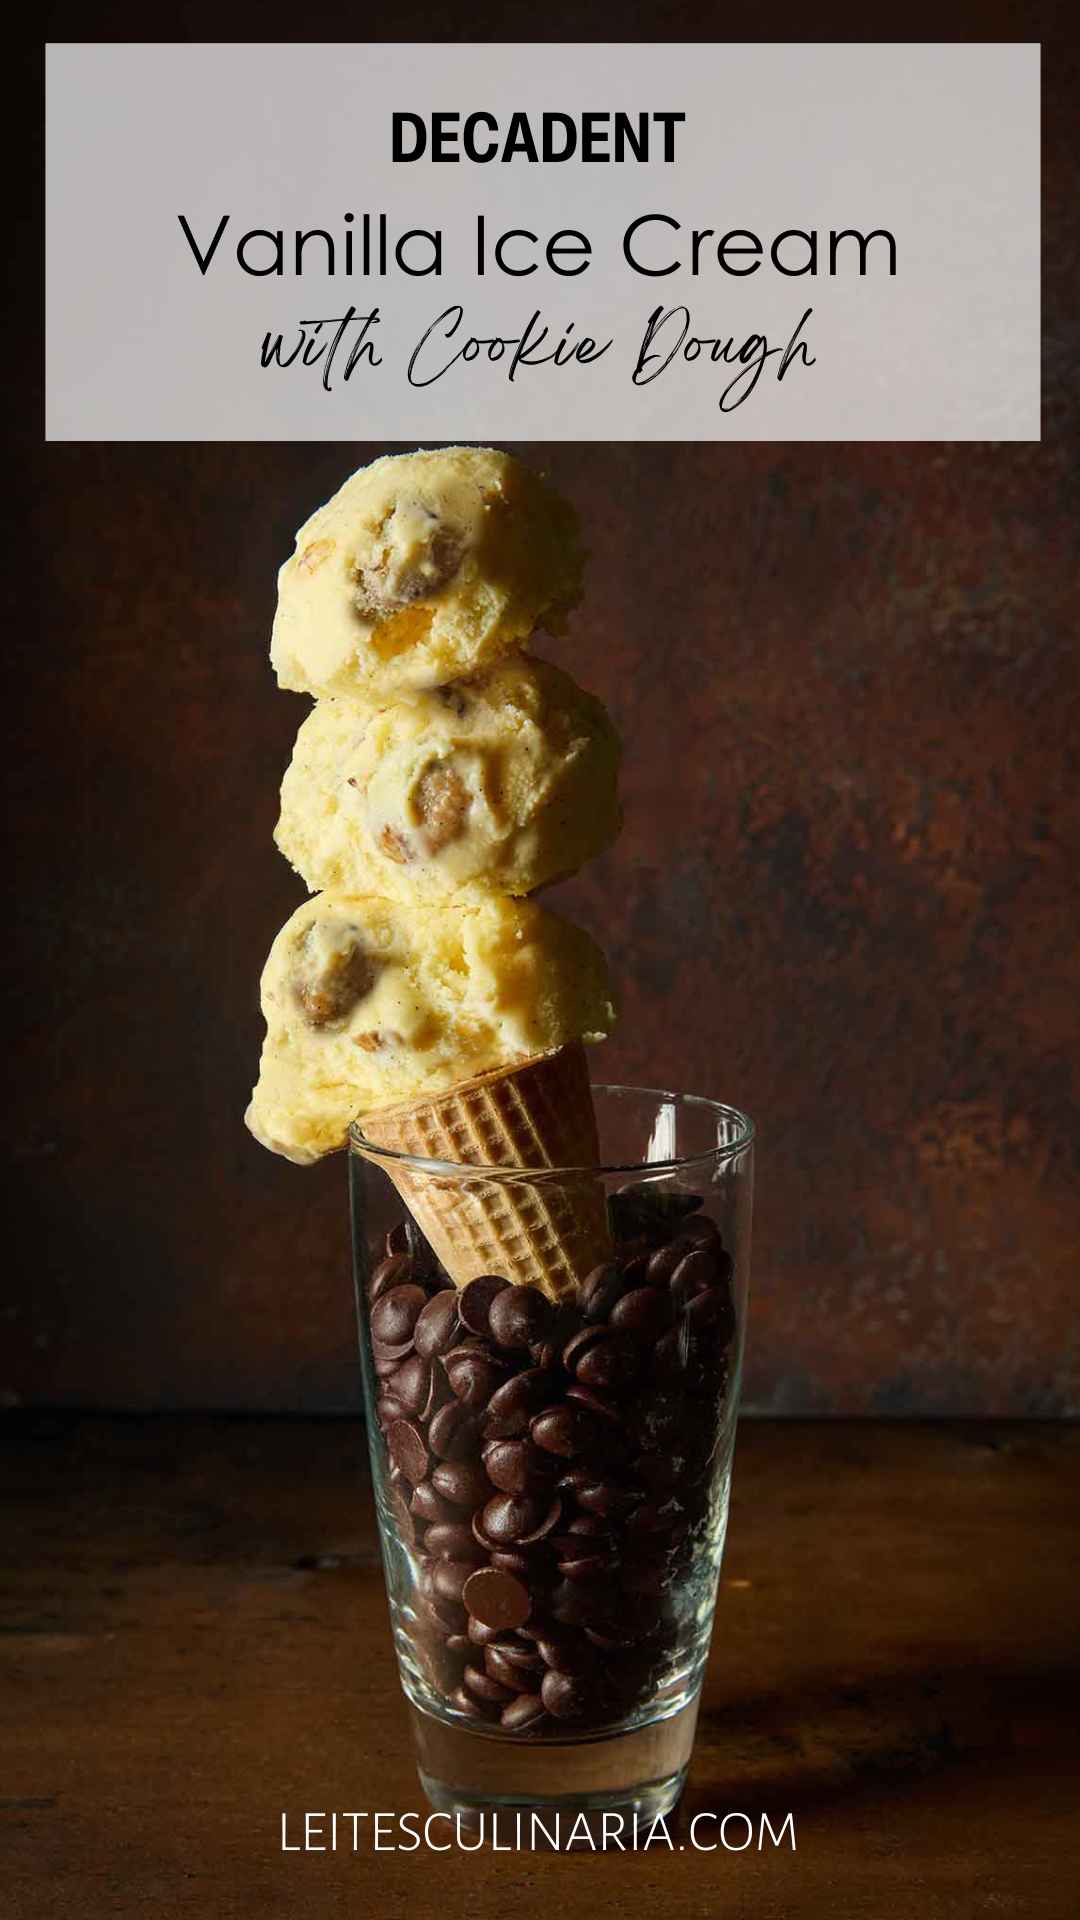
(507, 780)
(368, 1003)
(423, 567)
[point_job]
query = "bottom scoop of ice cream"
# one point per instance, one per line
(369, 1003)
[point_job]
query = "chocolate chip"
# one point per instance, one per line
(527, 1710)
(695, 1273)
(594, 1402)
(429, 1505)
(473, 1376)
(436, 1327)
(546, 1526)
(517, 1561)
(480, 1635)
(407, 1450)
(512, 1406)
(467, 1703)
(600, 1292)
(463, 1482)
(386, 1356)
(451, 1540)
(670, 1355)
(566, 1696)
(587, 1566)
(477, 1525)
(535, 1627)
(520, 1316)
(574, 1479)
(387, 1274)
(587, 1526)
(661, 1265)
(646, 1312)
(613, 1363)
(510, 1517)
(447, 1616)
(712, 1312)
(583, 1603)
(579, 1344)
(568, 1431)
(394, 1315)
(518, 1654)
(496, 1598)
(412, 1384)
(476, 1299)
(567, 1652)
(454, 1432)
(485, 1688)
(606, 1498)
(517, 1466)
(388, 1359)
(654, 1516)
(449, 1577)
(615, 1634)
(501, 1668)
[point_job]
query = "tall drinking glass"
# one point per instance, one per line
(552, 1476)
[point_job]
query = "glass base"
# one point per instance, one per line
(604, 1792)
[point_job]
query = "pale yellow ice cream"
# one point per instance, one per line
(506, 780)
(423, 567)
(368, 1002)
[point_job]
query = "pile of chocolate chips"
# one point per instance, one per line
(550, 1466)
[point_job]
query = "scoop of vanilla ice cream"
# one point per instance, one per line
(368, 1002)
(423, 567)
(507, 780)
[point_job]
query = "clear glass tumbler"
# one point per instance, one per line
(552, 1477)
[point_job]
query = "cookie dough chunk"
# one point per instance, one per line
(423, 567)
(506, 780)
(368, 1003)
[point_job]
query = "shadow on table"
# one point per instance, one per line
(835, 1741)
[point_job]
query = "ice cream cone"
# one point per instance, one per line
(537, 1114)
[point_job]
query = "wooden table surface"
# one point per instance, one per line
(195, 1641)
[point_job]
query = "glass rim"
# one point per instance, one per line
(645, 1170)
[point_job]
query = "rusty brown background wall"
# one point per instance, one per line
(844, 898)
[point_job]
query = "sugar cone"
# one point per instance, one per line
(537, 1114)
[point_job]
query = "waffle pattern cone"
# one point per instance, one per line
(546, 1234)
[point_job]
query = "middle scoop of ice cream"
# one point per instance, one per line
(368, 1003)
(508, 779)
